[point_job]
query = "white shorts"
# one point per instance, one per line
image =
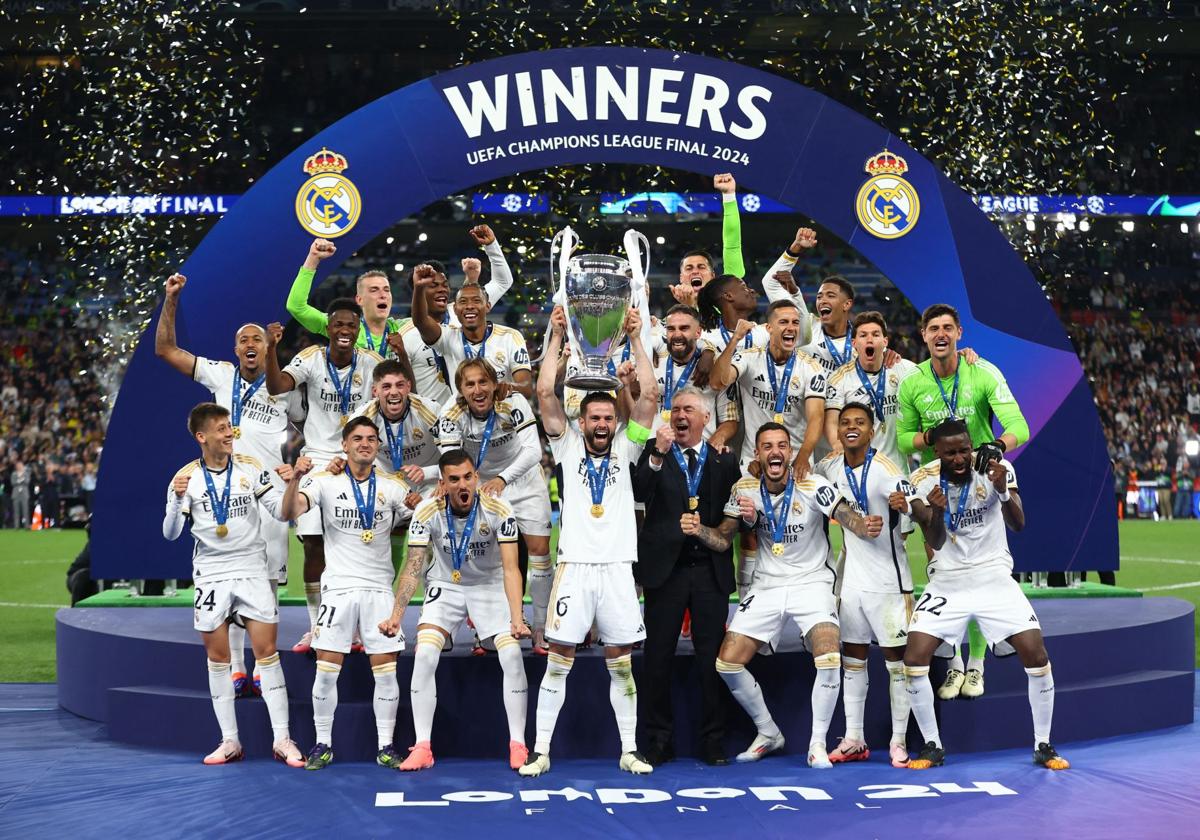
(996, 602)
(764, 612)
(250, 599)
(275, 535)
(530, 500)
(447, 604)
(345, 610)
(309, 522)
(603, 593)
(879, 617)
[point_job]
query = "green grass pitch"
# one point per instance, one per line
(1158, 558)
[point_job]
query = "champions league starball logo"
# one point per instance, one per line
(328, 204)
(887, 205)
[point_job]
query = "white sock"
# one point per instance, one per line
(422, 691)
(385, 702)
(325, 699)
(516, 685)
(855, 683)
(551, 694)
(312, 598)
(237, 648)
(274, 693)
(920, 698)
(541, 581)
(622, 694)
(1041, 702)
(825, 691)
(955, 662)
(220, 686)
(747, 692)
(900, 705)
(975, 663)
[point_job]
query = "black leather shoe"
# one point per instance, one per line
(714, 756)
(657, 754)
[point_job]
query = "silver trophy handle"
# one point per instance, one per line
(565, 241)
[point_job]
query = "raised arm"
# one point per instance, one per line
(554, 419)
(731, 226)
(426, 324)
(647, 400)
(1010, 499)
(778, 283)
(173, 520)
(311, 318)
(278, 381)
(165, 346)
(724, 373)
(295, 504)
(502, 279)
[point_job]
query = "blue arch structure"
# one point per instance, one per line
(779, 138)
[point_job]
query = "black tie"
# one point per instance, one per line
(691, 453)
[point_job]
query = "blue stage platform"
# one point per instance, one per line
(1121, 665)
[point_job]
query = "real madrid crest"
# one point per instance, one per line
(887, 205)
(328, 204)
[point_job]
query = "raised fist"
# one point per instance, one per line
(874, 525)
(472, 268)
(633, 321)
(274, 333)
(175, 284)
(936, 498)
(180, 484)
(423, 275)
(725, 184)
(558, 321)
(689, 523)
(482, 234)
(897, 501)
(302, 467)
(664, 437)
(785, 279)
(805, 238)
(742, 329)
(321, 249)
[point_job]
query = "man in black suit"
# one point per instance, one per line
(679, 573)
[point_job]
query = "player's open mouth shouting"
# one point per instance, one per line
(824, 311)
(788, 338)
(776, 466)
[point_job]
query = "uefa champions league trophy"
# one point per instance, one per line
(595, 291)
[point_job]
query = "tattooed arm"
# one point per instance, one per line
(718, 538)
(866, 528)
(410, 579)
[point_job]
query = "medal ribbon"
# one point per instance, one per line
(482, 345)
(693, 479)
(625, 352)
(747, 342)
(366, 508)
(777, 526)
(383, 345)
(458, 552)
(486, 439)
(219, 504)
(343, 390)
(240, 399)
(597, 478)
(777, 393)
(953, 521)
(859, 492)
(878, 393)
(839, 360)
(670, 384)
(395, 441)
(951, 401)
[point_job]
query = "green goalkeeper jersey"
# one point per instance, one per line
(982, 394)
(316, 321)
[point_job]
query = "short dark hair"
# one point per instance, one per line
(200, 416)
(683, 309)
(937, 310)
(950, 427)
(870, 317)
(863, 407)
(708, 301)
(355, 422)
(771, 427)
(391, 367)
(595, 397)
(782, 303)
(841, 282)
(698, 253)
(344, 304)
(454, 457)
(482, 291)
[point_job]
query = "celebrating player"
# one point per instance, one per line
(876, 588)
(407, 424)
(358, 510)
(779, 284)
(790, 579)
(260, 424)
(220, 494)
(778, 384)
(339, 383)
(963, 515)
(696, 268)
(465, 542)
(597, 545)
(678, 368)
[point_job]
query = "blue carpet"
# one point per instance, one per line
(60, 776)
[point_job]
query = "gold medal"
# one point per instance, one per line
(666, 415)
(778, 417)
(222, 530)
(367, 536)
(777, 549)
(693, 502)
(237, 431)
(953, 538)
(597, 511)
(456, 576)
(343, 421)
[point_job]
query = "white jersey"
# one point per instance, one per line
(241, 553)
(503, 347)
(758, 398)
(351, 563)
(843, 351)
(716, 340)
(429, 368)
(414, 434)
(323, 425)
(810, 324)
(881, 564)
(514, 447)
(720, 406)
(979, 540)
(494, 524)
(845, 386)
(264, 421)
(806, 556)
(612, 536)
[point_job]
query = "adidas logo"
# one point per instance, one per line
(760, 378)
(342, 497)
